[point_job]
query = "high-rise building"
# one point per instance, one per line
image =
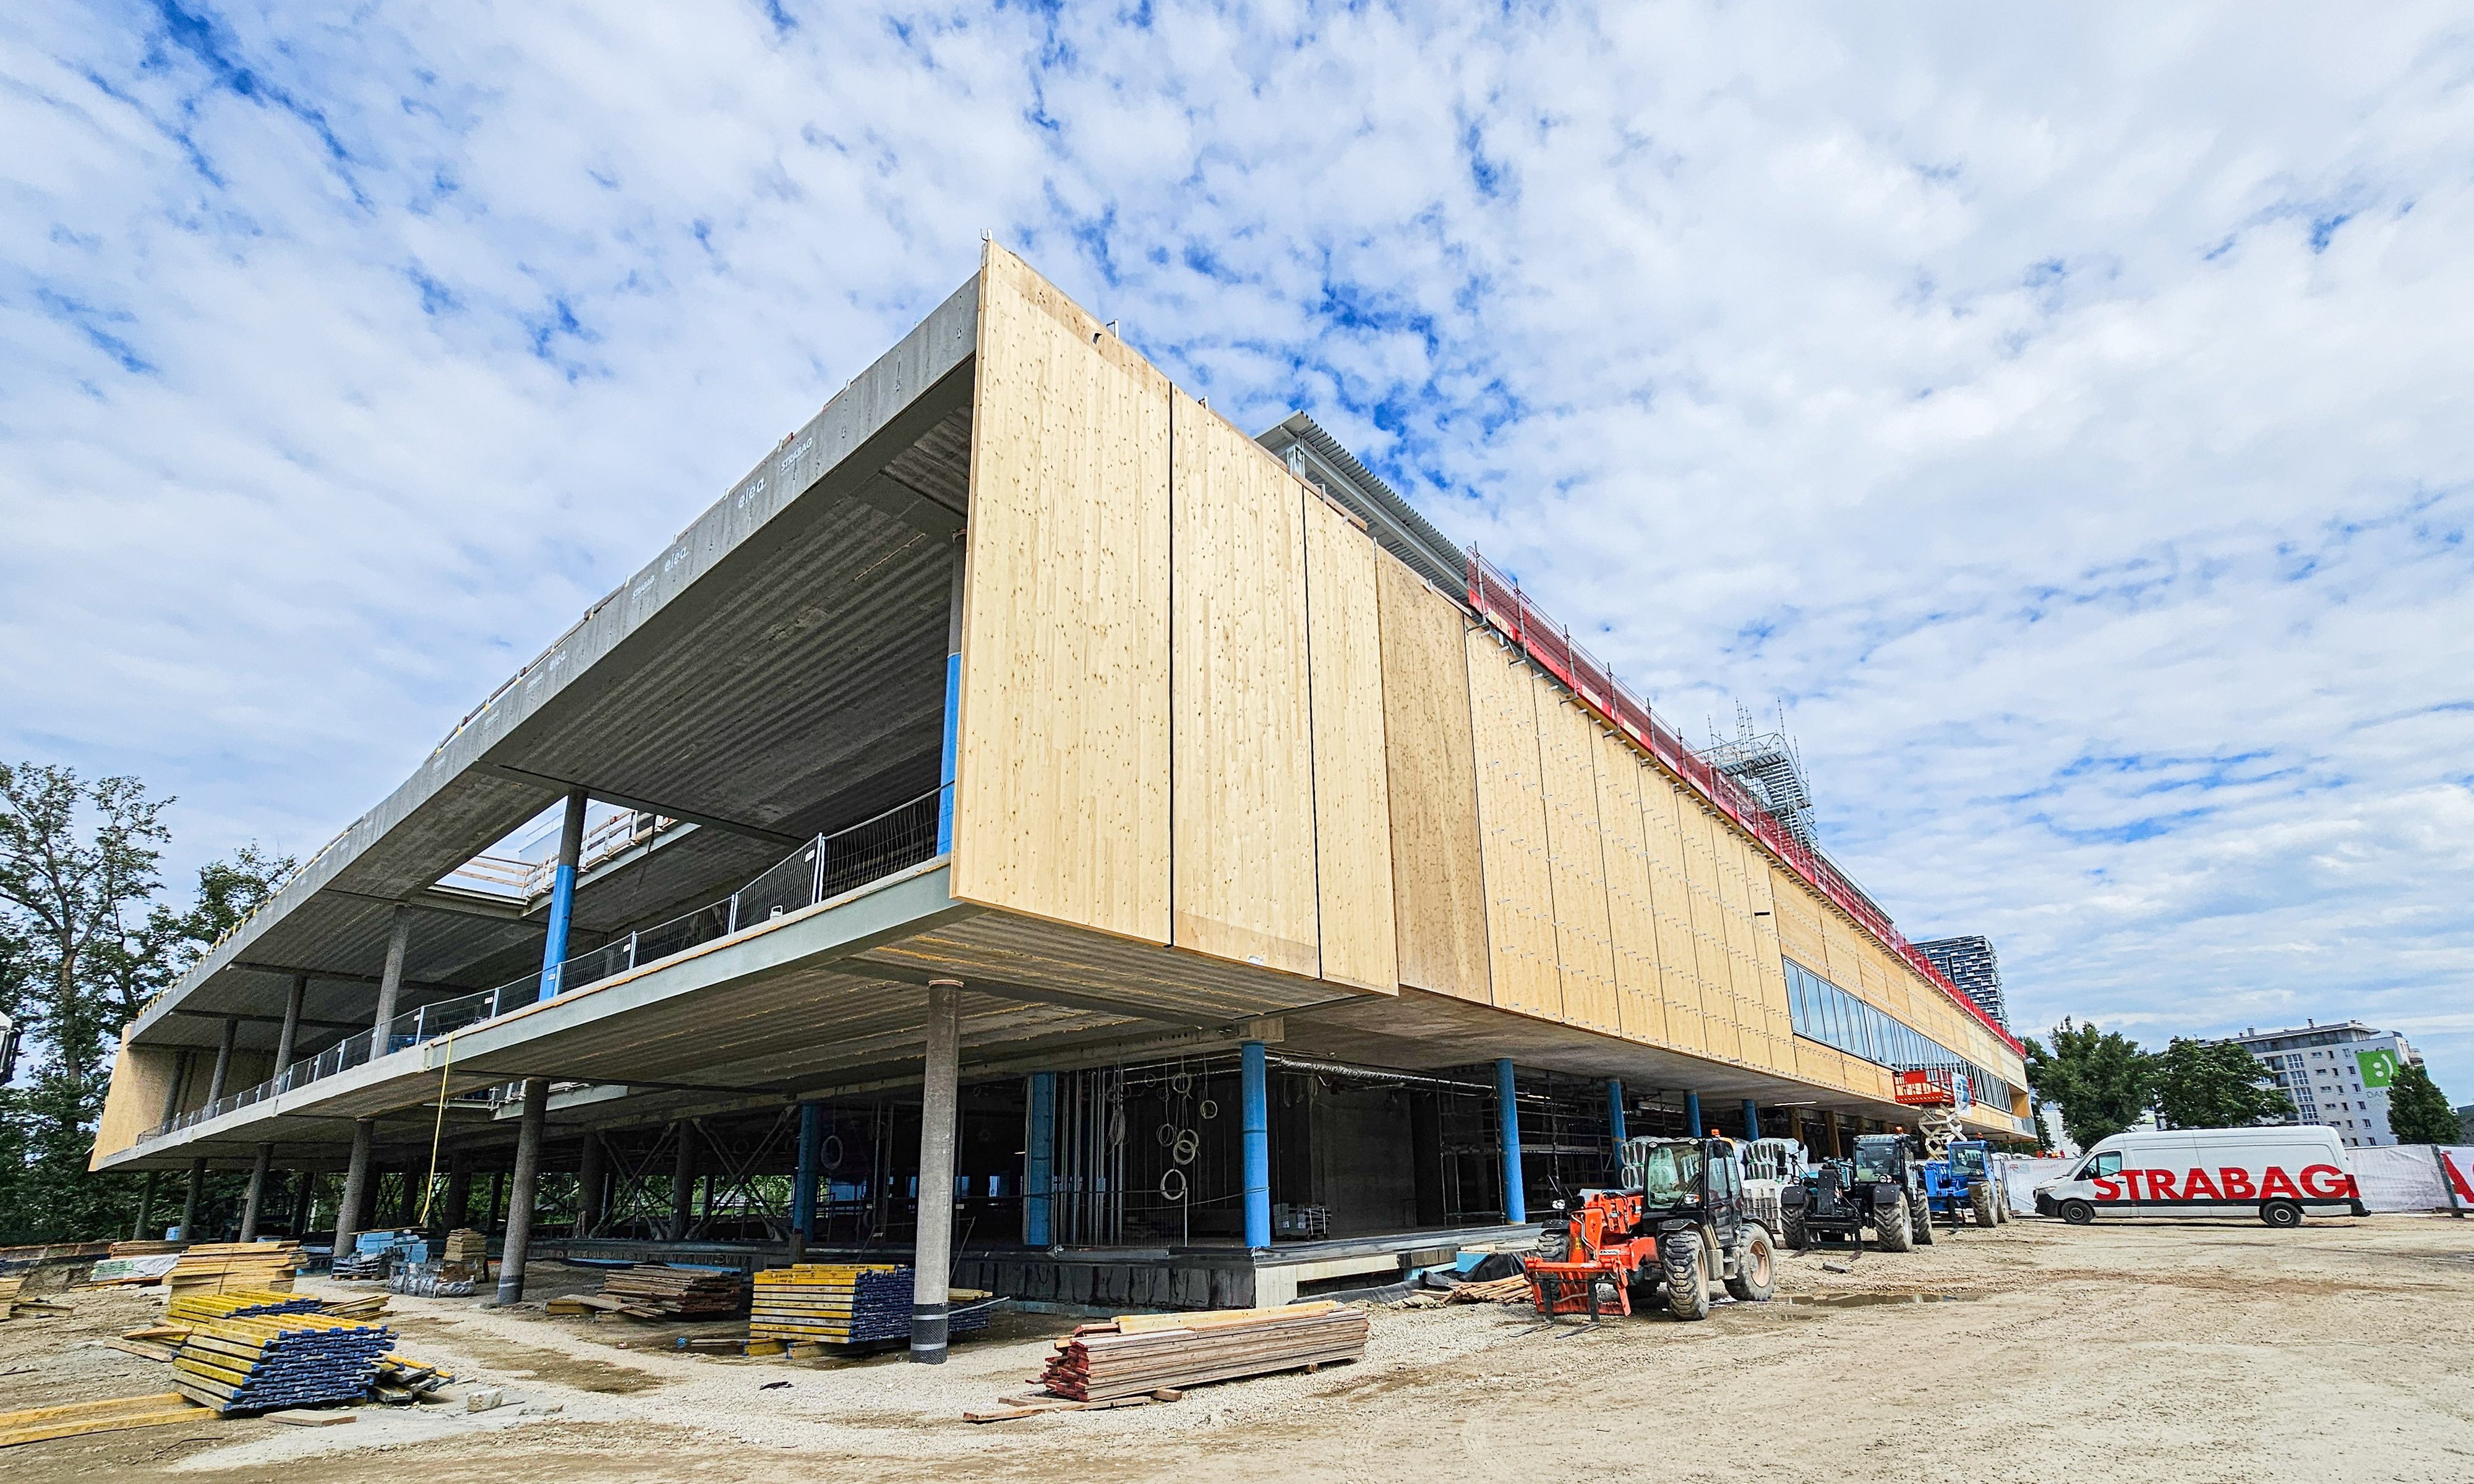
(1971, 963)
(2338, 1075)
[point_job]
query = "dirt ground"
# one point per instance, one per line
(2031, 1353)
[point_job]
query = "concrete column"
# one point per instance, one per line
(590, 1166)
(562, 892)
(220, 1083)
(288, 1039)
(257, 1174)
(1692, 1128)
(520, 1198)
(304, 1202)
(1752, 1120)
(803, 1183)
(1254, 1107)
(1507, 1108)
(356, 1185)
(683, 1174)
(189, 1201)
(391, 978)
(1615, 1109)
(172, 1093)
(459, 1190)
(145, 1204)
(1039, 1163)
(953, 707)
(939, 1104)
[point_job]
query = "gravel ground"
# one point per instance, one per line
(2031, 1353)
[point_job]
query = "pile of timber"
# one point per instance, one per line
(214, 1267)
(9, 1288)
(1516, 1289)
(236, 1303)
(851, 1304)
(1139, 1354)
(258, 1363)
(77, 1419)
(654, 1290)
(465, 1247)
(145, 1248)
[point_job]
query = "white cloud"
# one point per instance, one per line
(2059, 413)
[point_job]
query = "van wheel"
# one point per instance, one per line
(2078, 1213)
(2281, 1215)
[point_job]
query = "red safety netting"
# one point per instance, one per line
(1499, 601)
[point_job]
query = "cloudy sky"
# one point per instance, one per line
(2063, 419)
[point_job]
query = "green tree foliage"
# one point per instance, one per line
(83, 944)
(2418, 1114)
(2100, 1078)
(2215, 1085)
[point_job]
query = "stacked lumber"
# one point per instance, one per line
(1501, 1290)
(235, 1303)
(369, 1307)
(654, 1290)
(77, 1419)
(145, 1248)
(850, 1303)
(212, 1267)
(464, 1245)
(1137, 1355)
(262, 1363)
(9, 1288)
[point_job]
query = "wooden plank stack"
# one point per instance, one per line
(77, 1419)
(1144, 1353)
(213, 1267)
(850, 1303)
(237, 1303)
(466, 1248)
(258, 1363)
(653, 1290)
(9, 1288)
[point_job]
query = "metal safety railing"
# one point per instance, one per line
(822, 869)
(1498, 600)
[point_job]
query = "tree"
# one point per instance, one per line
(2215, 1085)
(2418, 1114)
(2100, 1079)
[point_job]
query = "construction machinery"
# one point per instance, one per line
(1880, 1190)
(1770, 1166)
(1965, 1183)
(1677, 1222)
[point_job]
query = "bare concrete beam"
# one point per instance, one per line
(671, 811)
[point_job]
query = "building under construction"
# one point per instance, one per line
(1030, 821)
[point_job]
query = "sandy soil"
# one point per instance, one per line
(2031, 1353)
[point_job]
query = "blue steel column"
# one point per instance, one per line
(953, 708)
(1516, 1199)
(1752, 1120)
(562, 892)
(1692, 1128)
(803, 1189)
(1039, 1160)
(1614, 1108)
(1255, 1093)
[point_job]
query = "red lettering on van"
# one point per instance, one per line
(2326, 1182)
(2277, 1183)
(2237, 1183)
(2107, 1189)
(2197, 1186)
(2160, 1186)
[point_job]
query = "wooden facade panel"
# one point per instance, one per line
(1352, 806)
(1632, 905)
(1585, 957)
(141, 1080)
(1709, 931)
(1688, 1015)
(1244, 769)
(1439, 888)
(1061, 798)
(1512, 831)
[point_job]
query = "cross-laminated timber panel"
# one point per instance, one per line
(1584, 958)
(1351, 772)
(1244, 772)
(1062, 787)
(1512, 830)
(1437, 884)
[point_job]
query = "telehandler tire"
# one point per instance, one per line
(1922, 1212)
(1792, 1230)
(1687, 1297)
(1892, 1231)
(1756, 1267)
(1986, 1208)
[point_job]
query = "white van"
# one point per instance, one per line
(2275, 1173)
